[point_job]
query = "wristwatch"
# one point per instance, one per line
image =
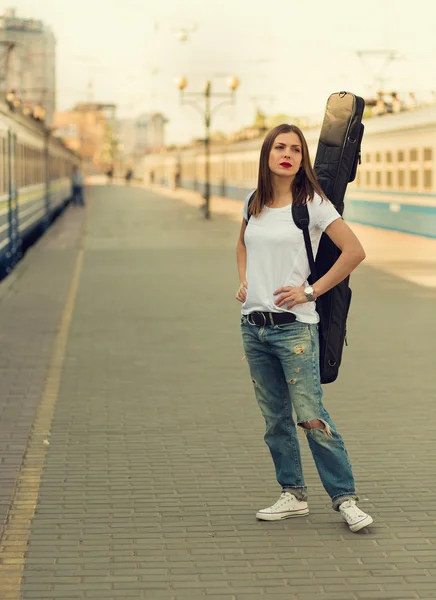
(309, 293)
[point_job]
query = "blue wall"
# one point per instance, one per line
(409, 218)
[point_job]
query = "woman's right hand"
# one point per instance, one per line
(241, 294)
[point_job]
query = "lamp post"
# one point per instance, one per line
(207, 112)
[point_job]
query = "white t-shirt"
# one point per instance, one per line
(276, 255)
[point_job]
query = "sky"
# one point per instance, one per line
(289, 55)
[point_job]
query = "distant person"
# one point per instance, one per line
(77, 186)
(396, 104)
(178, 178)
(431, 98)
(279, 323)
(380, 107)
(411, 101)
(110, 174)
(128, 176)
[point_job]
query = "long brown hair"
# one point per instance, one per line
(305, 183)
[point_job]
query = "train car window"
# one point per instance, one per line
(401, 179)
(414, 179)
(22, 166)
(20, 162)
(17, 164)
(2, 166)
(428, 153)
(389, 179)
(413, 155)
(400, 156)
(26, 166)
(388, 157)
(428, 179)
(5, 166)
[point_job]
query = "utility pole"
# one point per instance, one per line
(233, 85)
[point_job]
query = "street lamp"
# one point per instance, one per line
(233, 84)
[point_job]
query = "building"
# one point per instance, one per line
(28, 61)
(142, 134)
(89, 129)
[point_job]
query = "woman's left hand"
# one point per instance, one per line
(290, 296)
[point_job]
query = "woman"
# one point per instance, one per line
(279, 323)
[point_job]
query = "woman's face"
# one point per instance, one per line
(286, 155)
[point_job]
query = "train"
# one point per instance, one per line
(35, 182)
(395, 186)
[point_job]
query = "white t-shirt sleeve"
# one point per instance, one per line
(245, 207)
(323, 212)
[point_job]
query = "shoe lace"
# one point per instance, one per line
(352, 511)
(281, 500)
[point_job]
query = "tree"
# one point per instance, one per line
(260, 120)
(280, 118)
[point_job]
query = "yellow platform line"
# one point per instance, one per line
(16, 533)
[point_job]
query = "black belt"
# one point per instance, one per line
(261, 319)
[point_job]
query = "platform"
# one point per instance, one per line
(132, 459)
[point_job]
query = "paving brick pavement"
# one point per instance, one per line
(156, 463)
(31, 301)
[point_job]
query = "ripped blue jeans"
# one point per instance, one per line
(284, 367)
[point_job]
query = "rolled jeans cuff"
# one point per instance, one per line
(336, 502)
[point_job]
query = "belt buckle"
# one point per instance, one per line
(258, 312)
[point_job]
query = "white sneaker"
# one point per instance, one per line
(286, 506)
(353, 516)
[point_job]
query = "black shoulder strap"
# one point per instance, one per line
(300, 214)
(248, 206)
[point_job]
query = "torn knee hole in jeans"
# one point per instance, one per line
(298, 350)
(316, 425)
